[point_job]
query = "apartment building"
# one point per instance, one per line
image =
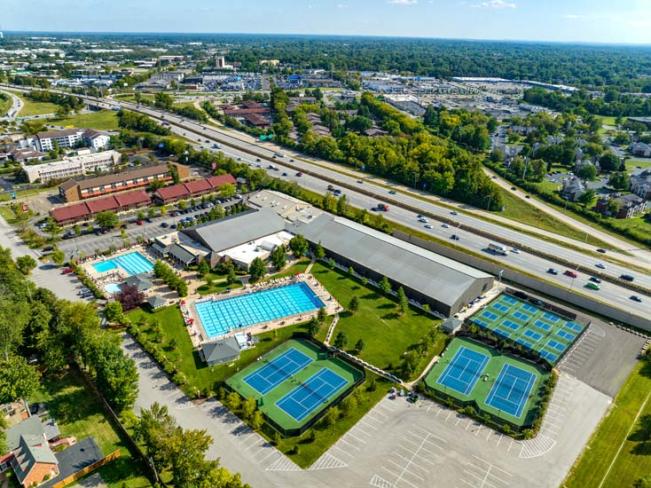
(72, 166)
(73, 190)
(70, 138)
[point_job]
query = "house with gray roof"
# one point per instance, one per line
(222, 351)
(641, 184)
(140, 281)
(573, 188)
(444, 284)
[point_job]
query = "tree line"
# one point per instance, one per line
(611, 103)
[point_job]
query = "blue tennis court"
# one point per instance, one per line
(549, 356)
(521, 316)
(218, 317)
(306, 397)
(277, 370)
(463, 371)
(542, 325)
(511, 325)
(532, 335)
(489, 315)
(501, 307)
(553, 318)
(511, 390)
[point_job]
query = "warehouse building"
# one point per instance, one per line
(444, 284)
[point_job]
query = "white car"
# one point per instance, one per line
(428, 226)
(515, 250)
(600, 266)
(422, 220)
(445, 226)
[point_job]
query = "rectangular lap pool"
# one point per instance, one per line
(132, 263)
(218, 317)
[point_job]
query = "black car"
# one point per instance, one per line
(594, 279)
(627, 277)
(164, 225)
(454, 237)
(602, 251)
(635, 298)
(552, 271)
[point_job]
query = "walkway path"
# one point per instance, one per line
(424, 372)
(331, 329)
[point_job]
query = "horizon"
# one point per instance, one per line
(576, 22)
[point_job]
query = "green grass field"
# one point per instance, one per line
(517, 209)
(387, 335)
(5, 104)
(268, 401)
(101, 120)
(632, 164)
(78, 413)
(544, 332)
(619, 452)
(36, 108)
(482, 388)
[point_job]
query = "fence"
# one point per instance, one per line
(88, 469)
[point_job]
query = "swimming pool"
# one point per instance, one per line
(133, 263)
(112, 288)
(219, 317)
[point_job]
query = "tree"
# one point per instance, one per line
(331, 416)
(321, 315)
(319, 252)
(227, 191)
(298, 245)
(129, 297)
(313, 327)
(385, 285)
(248, 407)
(233, 401)
(204, 268)
(26, 264)
(587, 172)
(106, 220)
(113, 312)
(18, 378)
(644, 482)
(58, 257)
(279, 257)
(231, 277)
(340, 340)
(152, 430)
(257, 420)
(619, 181)
(359, 346)
(353, 306)
(587, 197)
(403, 301)
(609, 161)
(257, 269)
(342, 205)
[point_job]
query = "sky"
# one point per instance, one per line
(594, 21)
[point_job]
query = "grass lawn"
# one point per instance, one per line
(5, 104)
(217, 286)
(78, 412)
(298, 267)
(36, 108)
(622, 438)
(101, 120)
(386, 334)
(517, 209)
(189, 363)
(632, 164)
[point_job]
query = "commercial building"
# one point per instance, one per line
(192, 189)
(444, 284)
(219, 237)
(72, 166)
(77, 212)
(73, 191)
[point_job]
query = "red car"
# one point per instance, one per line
(139, 222)
(66, 271)
(571, 274)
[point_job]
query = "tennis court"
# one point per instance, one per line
(511, 390)
(464, 370)
(277, 370)
(542, 331)
(295, 382)
(482, 377)
(306, 397)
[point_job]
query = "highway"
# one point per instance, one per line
(611, 293)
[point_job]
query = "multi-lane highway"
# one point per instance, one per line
(404, 209)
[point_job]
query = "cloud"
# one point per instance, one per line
(497, 4)
(402, 2)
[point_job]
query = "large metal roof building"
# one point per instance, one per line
(446, 285)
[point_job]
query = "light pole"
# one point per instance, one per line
(499, 275)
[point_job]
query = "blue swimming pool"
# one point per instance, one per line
(219, 317)
(133, 263)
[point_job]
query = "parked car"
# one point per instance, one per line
(140, 222)
(164, 225)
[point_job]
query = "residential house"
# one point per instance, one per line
(641, 184)
(572, 189)
(640, 149)
(621, 206)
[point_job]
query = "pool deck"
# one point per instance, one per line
(199, 336)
